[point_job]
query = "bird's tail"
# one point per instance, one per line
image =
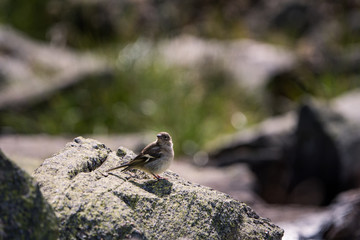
(121, 166)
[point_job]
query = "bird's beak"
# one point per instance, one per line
(159, 135)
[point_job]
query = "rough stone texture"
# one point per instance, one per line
(91, 204)
(24, 214)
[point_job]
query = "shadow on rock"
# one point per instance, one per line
(160, 188)
(115, 175)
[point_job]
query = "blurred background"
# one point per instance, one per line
(261, 97)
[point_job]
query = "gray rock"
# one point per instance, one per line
(24, 213)
(250, 62)
(347, 104)
(94, 205)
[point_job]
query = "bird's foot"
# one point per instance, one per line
(158, 177)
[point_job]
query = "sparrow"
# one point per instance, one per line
(155, 158)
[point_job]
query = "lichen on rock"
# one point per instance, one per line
(24, 213)
(120, 205)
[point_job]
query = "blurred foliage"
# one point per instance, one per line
(323, 86)
(145, 95)
(30, 17)
(286, 90)
(85, 24)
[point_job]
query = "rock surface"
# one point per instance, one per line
(24, 214)
(91, 204)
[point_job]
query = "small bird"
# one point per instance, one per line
(155, 158)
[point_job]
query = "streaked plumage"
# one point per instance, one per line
(155, 158)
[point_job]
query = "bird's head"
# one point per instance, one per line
(163, 137)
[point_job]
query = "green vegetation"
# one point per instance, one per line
(144, 95)
(88, 24)
(30, 17)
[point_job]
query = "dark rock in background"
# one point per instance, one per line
(340, 220)
(313, 158)
(294, 17)
(309, 160)
(92, 204)
(24, 213)
(299, 19)
(344, 220)
(263, 149)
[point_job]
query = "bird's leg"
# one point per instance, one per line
(157, 176)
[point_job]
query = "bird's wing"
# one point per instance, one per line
(151, 151)
(148, 154)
